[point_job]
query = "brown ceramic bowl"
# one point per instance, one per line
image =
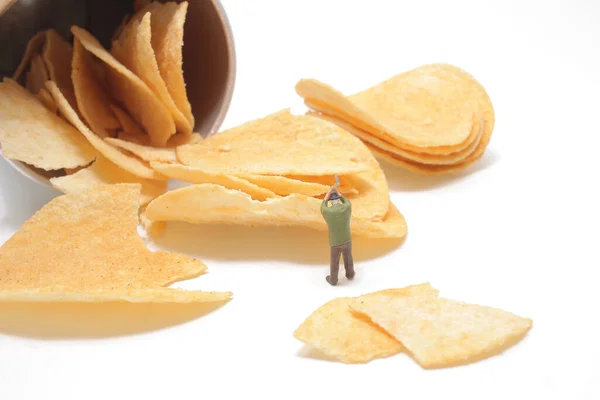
(208, 53)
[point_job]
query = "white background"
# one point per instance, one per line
(519, 231)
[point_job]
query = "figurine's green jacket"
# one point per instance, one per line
(338, 219)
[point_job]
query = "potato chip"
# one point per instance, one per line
(34, 46)
(47, 100)
(284, 186)
(57, 55)
(279, 144)
(102, 172)
(31, 133)
(92, 99)
(128, 125)
(134, 50)
(124, 161)
(434, 169)
(425, 107)
(142, 149)
(336, 331)
(146, 108)
(210, 204)
(195, 175)
(422, 158)
(167, 24)
(37, 75)
(441, 332)
(84, 247)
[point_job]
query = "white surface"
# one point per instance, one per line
(519, 233)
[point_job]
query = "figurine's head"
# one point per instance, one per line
(334, 199)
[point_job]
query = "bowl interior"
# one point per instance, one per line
(208, 51)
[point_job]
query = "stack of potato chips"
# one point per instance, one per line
(433, 119)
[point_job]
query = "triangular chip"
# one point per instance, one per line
(126, 162)
(441, 332)
(336, 331)
(103, 172)
(279, 144)
(33, 134)
(145, 107)
(84, 247)
(195, 175)
(133, 49)
(215, 204)
(168, 20)
(424, 108)
(93, 100)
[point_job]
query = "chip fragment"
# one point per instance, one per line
(84, 246)
(211, 203)
(37, 75)
(33, 134)
(34, 46)
(440, 332)
(336, 331)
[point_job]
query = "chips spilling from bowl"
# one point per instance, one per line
(435, 331)
(84, 247)
(433, 119)
(275, 171)
(82, 114)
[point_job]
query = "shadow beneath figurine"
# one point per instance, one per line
(403, 180)
(95, 320)
(22, 197)
(242, 243)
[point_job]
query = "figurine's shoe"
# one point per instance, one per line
(328, 279)
(350, 275)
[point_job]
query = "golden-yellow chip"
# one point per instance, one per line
(215, 204)
(441, 332)
(84, 247)
(168, 20)
(35, 135)
(92, 98)
(57, 55)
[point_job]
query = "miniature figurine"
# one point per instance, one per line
(337, 210)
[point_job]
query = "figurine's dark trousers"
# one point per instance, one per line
(336, 251)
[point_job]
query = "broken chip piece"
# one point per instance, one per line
(440, 332)
(84, 246)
